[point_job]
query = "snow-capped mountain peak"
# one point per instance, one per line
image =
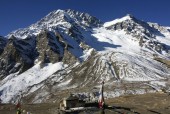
(59, 19)
(125, 18)
(146, 33)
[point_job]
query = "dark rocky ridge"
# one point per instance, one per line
(21, 54)
(16, 57)
(3, 42)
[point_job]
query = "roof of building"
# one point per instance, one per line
(72, 97)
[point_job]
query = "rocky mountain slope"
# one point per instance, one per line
(72, 51)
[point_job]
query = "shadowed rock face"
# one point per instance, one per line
(52, 48)
(47, 48)
(3, 42)
(20, 54)
(16, 57)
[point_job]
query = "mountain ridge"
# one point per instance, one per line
(59, 17)
(67, 50)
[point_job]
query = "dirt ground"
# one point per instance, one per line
(152, 103)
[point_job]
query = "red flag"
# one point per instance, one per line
(101, 97)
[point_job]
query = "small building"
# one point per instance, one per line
(71, 102)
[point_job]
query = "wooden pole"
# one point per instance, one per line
(102, 111)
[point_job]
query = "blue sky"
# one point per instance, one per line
(16, 14)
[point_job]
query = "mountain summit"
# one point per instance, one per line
(70, 51)
(58, 19)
